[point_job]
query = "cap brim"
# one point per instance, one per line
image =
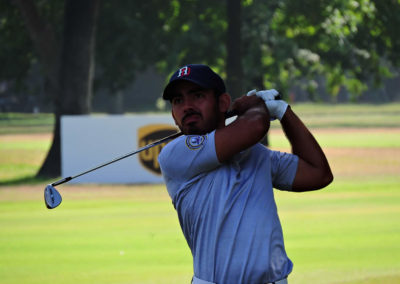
(168, 94)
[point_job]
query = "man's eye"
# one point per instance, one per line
(199, 95)
(176, 101)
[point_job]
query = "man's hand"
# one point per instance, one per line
(276, 108)
(245, 103)
(250, 126)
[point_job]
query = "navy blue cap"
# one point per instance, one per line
(199, 74)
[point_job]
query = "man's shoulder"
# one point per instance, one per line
(188, 156)
(171, 144)
(171, 148)
(260, 149)
(186, 146)
(184, 142)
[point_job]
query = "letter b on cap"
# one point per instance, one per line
(184, 71)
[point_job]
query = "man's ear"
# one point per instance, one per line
(224, 101)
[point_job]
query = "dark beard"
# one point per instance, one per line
(193, 129)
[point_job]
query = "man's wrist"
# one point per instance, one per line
(282, 109)
(276, 108)
(284, 114)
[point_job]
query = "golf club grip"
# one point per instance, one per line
(232, 113)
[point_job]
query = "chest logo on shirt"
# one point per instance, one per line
(194, 142)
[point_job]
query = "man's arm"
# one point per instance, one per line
(250, 126)
(313, 171)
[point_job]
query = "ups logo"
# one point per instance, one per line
(147, 135)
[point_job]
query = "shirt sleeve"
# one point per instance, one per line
(283, 168)
(187, 158)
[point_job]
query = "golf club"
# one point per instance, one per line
(53, 198)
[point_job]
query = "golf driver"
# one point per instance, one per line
(53, 198)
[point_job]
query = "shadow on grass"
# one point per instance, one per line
(33, 180)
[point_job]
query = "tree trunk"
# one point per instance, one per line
(76, 73)
(234, 66)
(77, 57)
(69, 72)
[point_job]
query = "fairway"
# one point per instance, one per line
(346, 233)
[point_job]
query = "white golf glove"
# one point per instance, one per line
(276, 108)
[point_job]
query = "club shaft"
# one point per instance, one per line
(158, 142)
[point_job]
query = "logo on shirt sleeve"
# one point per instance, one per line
(194, 142)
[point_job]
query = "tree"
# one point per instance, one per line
(195, 32)
(258, 43)
(345, 42)
(130, 38)
(14, 46)
(234, 66)
(67, 62)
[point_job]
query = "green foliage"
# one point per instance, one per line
(285, 43)
(349, 40)
(196, 34)
(167, 34)
(17, 54)
(130, 38)
(15, 48)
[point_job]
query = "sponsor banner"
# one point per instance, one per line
(149, 134)
(89, 140)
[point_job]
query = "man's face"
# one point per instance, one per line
(194, 109)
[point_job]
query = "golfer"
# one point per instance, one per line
(220, 178)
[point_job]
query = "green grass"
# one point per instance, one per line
(314, 115)
(91, 239)
(20, 159)
(348, 115)
(346, 138)
(348, 233)
(12, 123)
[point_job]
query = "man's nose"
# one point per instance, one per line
(188, 104)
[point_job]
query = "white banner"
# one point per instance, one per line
(89, 140)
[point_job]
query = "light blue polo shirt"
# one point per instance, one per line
(227, 211)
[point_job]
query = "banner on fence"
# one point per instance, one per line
(90, 140)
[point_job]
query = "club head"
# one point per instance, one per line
(52, 197)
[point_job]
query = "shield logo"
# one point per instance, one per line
(149, 134)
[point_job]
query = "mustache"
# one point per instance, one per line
(190, 114)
